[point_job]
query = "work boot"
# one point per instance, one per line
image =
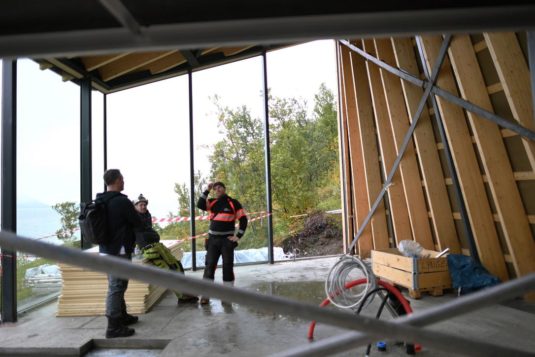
(117, 329)
(230, 284)
(128, 319)
(204, 300)
(187, 299)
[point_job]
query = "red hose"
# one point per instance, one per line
(353, 283)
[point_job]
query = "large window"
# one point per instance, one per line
(229, 144)
(148, 140)
(304, 149)
(97, 141)
(48, 173)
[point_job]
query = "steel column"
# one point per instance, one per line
(449, 160)
(86, 194)
(105, 136)
(9, 189)
(191, 175)
(267, 161)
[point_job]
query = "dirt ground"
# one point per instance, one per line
(321, 235)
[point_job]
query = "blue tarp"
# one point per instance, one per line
(468, 275)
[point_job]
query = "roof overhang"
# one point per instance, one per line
(70, 36)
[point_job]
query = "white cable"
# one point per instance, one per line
(338, 277)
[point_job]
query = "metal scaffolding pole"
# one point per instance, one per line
(8, 257)
(267, 161)
(86, 194)
(431, 315)
(376, 329)
(191, 175)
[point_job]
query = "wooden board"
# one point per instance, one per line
(432, 174)
(84, 291)
(396, 196)
(368, 141)
(499, 173)
(399, 122)
(514, 75)
(464, 157)
(360, 197)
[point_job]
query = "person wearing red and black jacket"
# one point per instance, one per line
(222, 235)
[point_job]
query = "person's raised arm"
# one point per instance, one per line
(202, 201)
(132, 216)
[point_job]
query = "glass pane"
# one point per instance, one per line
(304, 150)
(48, 176)
(97, 137)
(229, 145)
(148, 140)
(1, 98)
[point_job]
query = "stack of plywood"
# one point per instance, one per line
(84, 291)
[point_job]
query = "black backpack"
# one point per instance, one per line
(93, 220)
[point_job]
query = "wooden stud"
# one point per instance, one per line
(424, 138)
(368, 141)
(230, 51)
(464, 157)
(93, 62)
(165, 63)
(399, 122)
(396, 196)
(495, 88)
(130, 63)
(65, 68)
(494, 157)
(480, 46)
(360, 196)
(515, 78)
(45, 65)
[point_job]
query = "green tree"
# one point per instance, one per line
(304, 163)
(69, 213)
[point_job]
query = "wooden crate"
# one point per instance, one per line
(416, 274)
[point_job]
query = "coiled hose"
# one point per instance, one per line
(347, 269)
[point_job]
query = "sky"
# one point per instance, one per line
(148, 134)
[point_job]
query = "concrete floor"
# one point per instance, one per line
(219, 329)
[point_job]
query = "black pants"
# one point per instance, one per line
(217, 246)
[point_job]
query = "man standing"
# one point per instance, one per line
(222, 236)
(122, 221)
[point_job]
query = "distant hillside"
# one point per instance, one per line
(36, 219)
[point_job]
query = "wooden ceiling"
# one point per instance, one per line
(114, 72)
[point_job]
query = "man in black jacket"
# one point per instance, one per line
(222, 236)
(123, 221)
